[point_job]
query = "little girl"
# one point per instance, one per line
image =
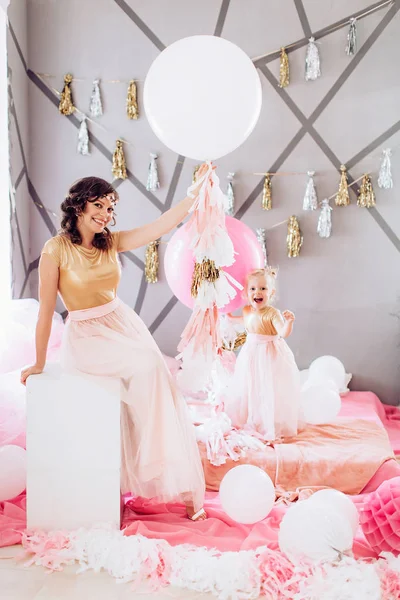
(265, 391)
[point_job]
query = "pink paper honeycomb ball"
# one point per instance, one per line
(380, 517)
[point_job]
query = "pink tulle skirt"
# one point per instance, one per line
(160, 457)
(265, 391)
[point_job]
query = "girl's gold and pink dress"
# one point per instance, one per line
(160, 457)
(265, 391)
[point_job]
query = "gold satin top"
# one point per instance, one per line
(88, 278)
(262, 322)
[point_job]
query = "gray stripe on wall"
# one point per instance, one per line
(303, 18)
(141, 24)
(221, 17)
(174, 182)
(373, 145)
(141, 295)
(163, 314)
(33, 265)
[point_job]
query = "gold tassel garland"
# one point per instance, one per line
(342, 197)
(284, 69)
(366, 196)
(266, 202)
(118, 163)
(132, 109)
(204, 271)
(294, 240)
(152, 262)
(66, 106)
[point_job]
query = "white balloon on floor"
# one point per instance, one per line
(339, 502)
(319, 403)
(12, 472)
(313, 532)
(327, 368)
(202, 97)
(247, 494)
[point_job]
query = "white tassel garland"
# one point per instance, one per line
(313, 63)
(153, 182)
(83, 138)
(96, 106)
(310, 201)
(262, 240)
(351, 47)
(324, 228)
(230, 196)
(385, 181)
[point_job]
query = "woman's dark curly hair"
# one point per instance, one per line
(88, 189)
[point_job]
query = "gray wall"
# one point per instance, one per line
(19, 149)
(344, 290)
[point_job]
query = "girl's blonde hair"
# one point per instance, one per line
(270, 274)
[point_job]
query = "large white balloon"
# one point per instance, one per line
(319, 403)
(328, 368)
(247, 494)
(12, 472)
(335, 500)
(309, 531)
(202, 97)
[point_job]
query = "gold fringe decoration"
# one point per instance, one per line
(152, 262)
(366, 196)
(266, 202)
(342, 197)
(294, 238)
(132, 109)
(204, 271)
(118, 162)
(66, 106)
(284, 69)
(239, 341)
(194, 176)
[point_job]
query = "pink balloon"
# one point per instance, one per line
(179, 261)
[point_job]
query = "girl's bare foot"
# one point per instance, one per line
(200, 515)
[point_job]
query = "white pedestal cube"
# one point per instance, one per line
(73, 450)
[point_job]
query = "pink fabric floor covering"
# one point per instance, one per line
(218, 531)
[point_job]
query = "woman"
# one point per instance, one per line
(160, 458)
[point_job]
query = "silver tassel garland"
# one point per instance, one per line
(262, 240)
(385, 181)
(351, 47)
(230, 196)
(310, 201)
(324, 228)
(153, 182)
(313, 63)
(83, 138)
(96, 106)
